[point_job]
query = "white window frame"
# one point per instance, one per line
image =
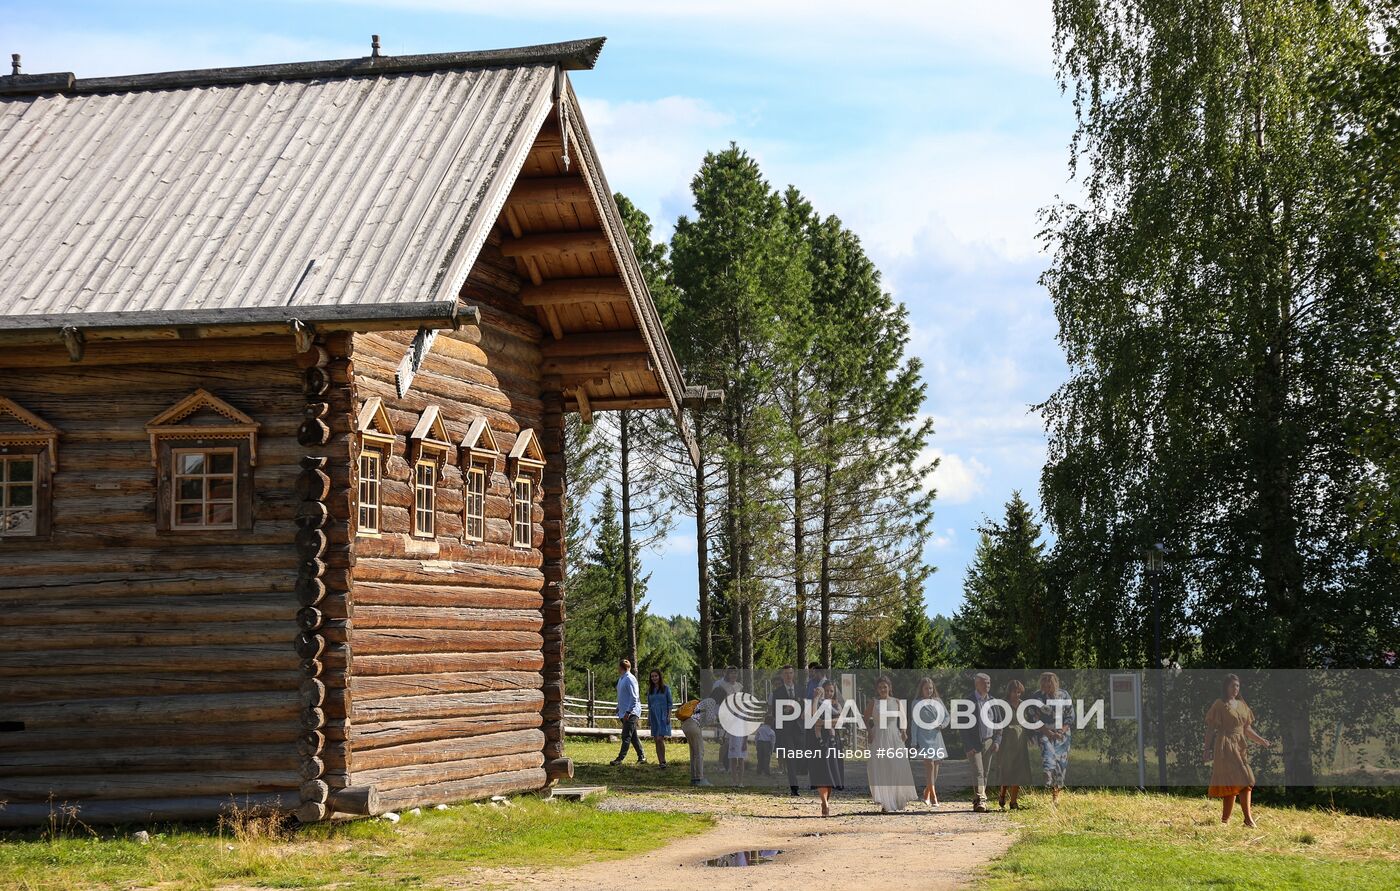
(472, 499)
(370, 492)
(422, 493)
(526, 504)
(205, 501)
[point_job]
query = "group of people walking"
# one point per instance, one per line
(1013, 741)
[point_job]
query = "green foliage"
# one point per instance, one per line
(1008, 618)
(1227, 301)
(430, 850)
(595, 623)
(915, 643)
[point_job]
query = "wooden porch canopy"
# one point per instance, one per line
(560, 225)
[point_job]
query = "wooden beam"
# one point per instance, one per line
(607, 343)
(550, 136)
(550, 190)
(585, 241)
(636, 402)
(597, 365)
(585, 410)
(571, 291)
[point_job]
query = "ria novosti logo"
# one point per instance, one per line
(740, 714)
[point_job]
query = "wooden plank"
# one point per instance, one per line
(609, 343)
(558, 243)
(550, 190)
(571, 291)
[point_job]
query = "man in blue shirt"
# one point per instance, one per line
(629, 711)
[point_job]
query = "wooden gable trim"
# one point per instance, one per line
(429, 440)
(373, 424)
(167, 424)
(44, 435)
(526, 456)
(479, 444)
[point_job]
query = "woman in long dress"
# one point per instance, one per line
(891, 777)
(1229, 723)
(926, 722)
(831, 693)
(1011, 766)
(821, 744)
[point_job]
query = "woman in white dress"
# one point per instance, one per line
(891, 777)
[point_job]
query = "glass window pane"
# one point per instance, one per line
(191, 462)
(21, 496)
(221, 487)
(191, 489)
(17, 522)
(21, 469)
(221, 515)
(189, 514)
(221, 462)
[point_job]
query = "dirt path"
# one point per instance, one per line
(916, 849)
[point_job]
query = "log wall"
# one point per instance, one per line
(450, 640)
(153, 674)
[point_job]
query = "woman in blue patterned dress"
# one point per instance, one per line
(1056, 712)
(659, 714)
(929, 716)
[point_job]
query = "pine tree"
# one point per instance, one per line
(1006, 620)
(596, 620)
(914, 643)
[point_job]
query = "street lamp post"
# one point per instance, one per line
(1155, 558)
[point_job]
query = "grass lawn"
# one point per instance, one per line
(430, 850)
(1119, 840)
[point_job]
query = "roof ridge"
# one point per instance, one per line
(571, 55)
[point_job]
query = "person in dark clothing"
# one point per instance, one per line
(789, 732)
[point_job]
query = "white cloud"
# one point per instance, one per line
(678, 544)
(651, 149)
(957, 479)
(943, 540)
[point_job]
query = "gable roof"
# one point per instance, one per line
(274, 190)
(526, 450)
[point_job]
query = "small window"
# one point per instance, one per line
(19, 495)
(424, 498)
(371, 465)
(476, 503)
(205, 489)
(524, 505)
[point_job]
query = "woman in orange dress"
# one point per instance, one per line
(1229, 723)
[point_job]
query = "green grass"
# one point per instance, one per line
(1118, 840)
(427, 851)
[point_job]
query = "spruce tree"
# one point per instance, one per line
(1006, 620)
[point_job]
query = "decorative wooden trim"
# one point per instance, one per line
(45, 435)
(479, 445)
(167, 424)
(374, 426)
(429, 439)
(526, 456)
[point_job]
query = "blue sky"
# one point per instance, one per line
(935, 130)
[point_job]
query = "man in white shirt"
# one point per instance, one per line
(629, 712)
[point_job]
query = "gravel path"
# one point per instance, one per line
(920, 848)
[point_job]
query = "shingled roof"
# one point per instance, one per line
(362, 186)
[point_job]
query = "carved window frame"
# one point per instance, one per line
(478, 455)
(39, 442)
(169, 436)
(376, 443)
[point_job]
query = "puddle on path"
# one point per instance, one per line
(743, 858)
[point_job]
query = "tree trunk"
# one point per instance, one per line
(702, 558)
(799, 520)
(628, 590)
(824, 581)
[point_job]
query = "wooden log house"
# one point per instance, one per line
(285, 355)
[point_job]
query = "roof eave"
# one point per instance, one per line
(247, 321)
(571, 55)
